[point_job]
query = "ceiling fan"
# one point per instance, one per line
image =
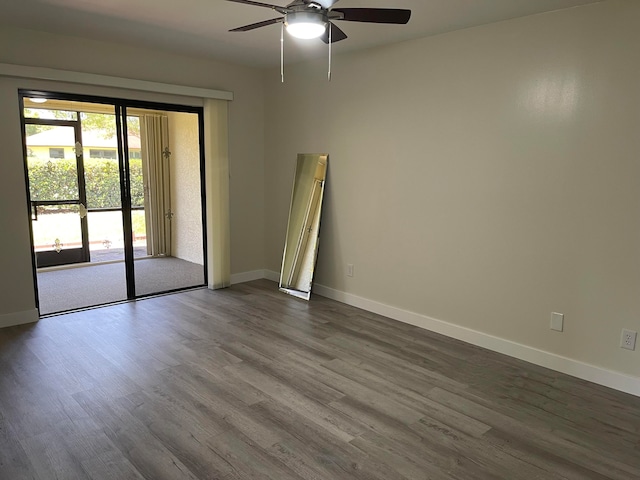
(310, 18)
(314, 19)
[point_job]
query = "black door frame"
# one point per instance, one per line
(120, 111)
(68, 255)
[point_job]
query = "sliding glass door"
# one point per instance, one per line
(115, 191)
(171, 210)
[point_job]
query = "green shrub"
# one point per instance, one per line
(57, 180)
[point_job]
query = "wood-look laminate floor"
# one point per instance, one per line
(249, 383)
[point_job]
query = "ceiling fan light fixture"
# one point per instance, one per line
(305, 25)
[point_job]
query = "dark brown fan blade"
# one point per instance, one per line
(336, 34)
(253, 26)
(277, 8)
(374, 15)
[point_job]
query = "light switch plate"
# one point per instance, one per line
(557, 321)
(349, 269)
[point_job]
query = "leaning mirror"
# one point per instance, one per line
(303, 229)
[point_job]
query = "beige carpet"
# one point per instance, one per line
(80, 287)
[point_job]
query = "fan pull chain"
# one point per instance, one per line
(330, 43)
(282, 52)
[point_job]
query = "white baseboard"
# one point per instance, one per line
(569, 366)
(585, 371)
(19, 318)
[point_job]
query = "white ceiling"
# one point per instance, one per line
(200, 27)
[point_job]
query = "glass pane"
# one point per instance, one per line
(168, 201)
(87, 284)
(106, 242)
(49, 114)
(139, 225)
(100, 154)
(57, 228)
(51, 159)
(135, 162)
(80, 287)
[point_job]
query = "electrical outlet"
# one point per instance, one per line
(557, 321)
(628, 339)
(349, 269)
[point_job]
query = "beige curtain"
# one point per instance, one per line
(217, 192)
(155, 138)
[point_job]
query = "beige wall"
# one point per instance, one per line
(186, 225)
(485, 177)
(68, 53)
